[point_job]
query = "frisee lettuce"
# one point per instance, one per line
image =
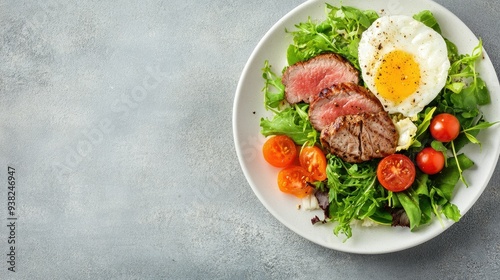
(340, 33)
(293, 122)
(273, 89)
(354, 193)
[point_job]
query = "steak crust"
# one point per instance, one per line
(361, 137)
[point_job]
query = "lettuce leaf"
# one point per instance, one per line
(293, 122)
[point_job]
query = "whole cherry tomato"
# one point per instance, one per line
(430, 161)
(444, 127)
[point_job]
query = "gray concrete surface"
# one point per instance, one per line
(117, 118)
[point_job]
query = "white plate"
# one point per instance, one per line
(249, 108)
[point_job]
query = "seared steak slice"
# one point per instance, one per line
(339, 100)
(304, 80)
(361, 137)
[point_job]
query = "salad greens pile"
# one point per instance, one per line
(339, 33)
(353, 190)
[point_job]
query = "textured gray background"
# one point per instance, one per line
(117, 117)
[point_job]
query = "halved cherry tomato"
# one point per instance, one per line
(296, 161)
(313, 160)
(396, 172)
(430, 161)
(294, 180)
(444, 127)
(279, 151)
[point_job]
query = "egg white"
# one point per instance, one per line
(428, 48)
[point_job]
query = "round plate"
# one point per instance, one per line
(249, 108)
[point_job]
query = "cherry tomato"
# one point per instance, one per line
(396, 172)
(279, 151)
(294, 180)
(430, 161)
(313, 160)
(444, 127)
(296, 161)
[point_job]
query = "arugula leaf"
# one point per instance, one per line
(426, 210)
(452, 50)
(468, 98)
(438, 146)
(469, 90)
(411, 205)
(381, 216)
(449, 176)
(421, 180)
(471, 132)
(354, 193)
(422, 134)
(426, 121)
(480, 126)
(451, 212)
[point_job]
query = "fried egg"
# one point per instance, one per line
(403, 62)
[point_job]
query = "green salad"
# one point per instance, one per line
(352, 192)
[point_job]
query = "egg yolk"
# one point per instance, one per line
(398, 76)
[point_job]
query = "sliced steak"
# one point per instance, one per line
(339, 100)
(361, 137)
(304, 80)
